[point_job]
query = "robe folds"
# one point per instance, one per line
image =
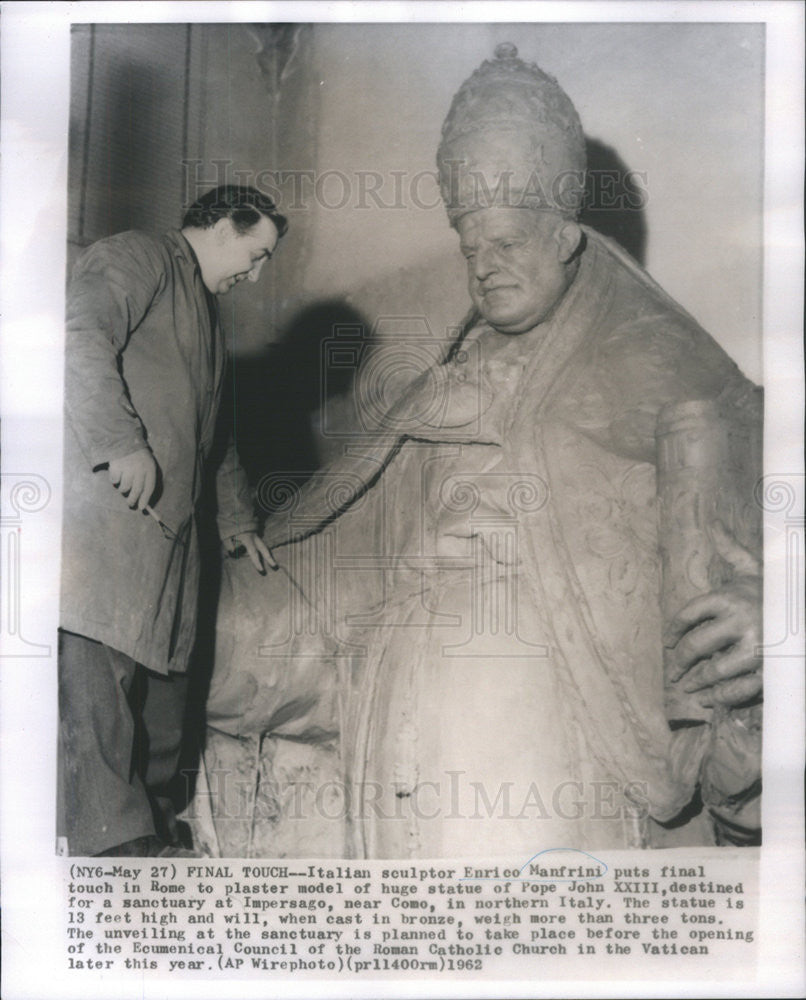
(461, 653)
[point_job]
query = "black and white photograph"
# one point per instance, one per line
(411, 519)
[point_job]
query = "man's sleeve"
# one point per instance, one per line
(236, 510)
(113, 286)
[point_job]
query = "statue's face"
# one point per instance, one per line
(516, 265)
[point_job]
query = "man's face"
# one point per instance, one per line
(515, 267)
(237, 257)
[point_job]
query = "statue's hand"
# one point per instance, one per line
(716, 637)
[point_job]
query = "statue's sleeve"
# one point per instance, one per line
(731, 776)
(639, 366)
(721, 763)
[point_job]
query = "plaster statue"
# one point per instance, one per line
(524, 613)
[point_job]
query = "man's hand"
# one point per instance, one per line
(255, 548)
(717, 636)
(135, 477)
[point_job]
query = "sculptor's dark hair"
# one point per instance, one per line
(242, 205)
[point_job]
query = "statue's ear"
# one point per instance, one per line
(568, 237)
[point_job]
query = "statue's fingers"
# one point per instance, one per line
(738, 691)
(698, 610)
(736, 662)
(712, 636)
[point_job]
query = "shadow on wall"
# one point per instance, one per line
(615, 199)
(269, 403)
(133, 182)
(275, 395)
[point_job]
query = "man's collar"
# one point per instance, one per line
(181, 247)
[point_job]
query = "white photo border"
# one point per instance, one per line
(33, 186)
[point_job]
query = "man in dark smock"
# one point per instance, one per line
(145, 358)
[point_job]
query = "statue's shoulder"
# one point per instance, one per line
(647, 329)
(642, 352)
